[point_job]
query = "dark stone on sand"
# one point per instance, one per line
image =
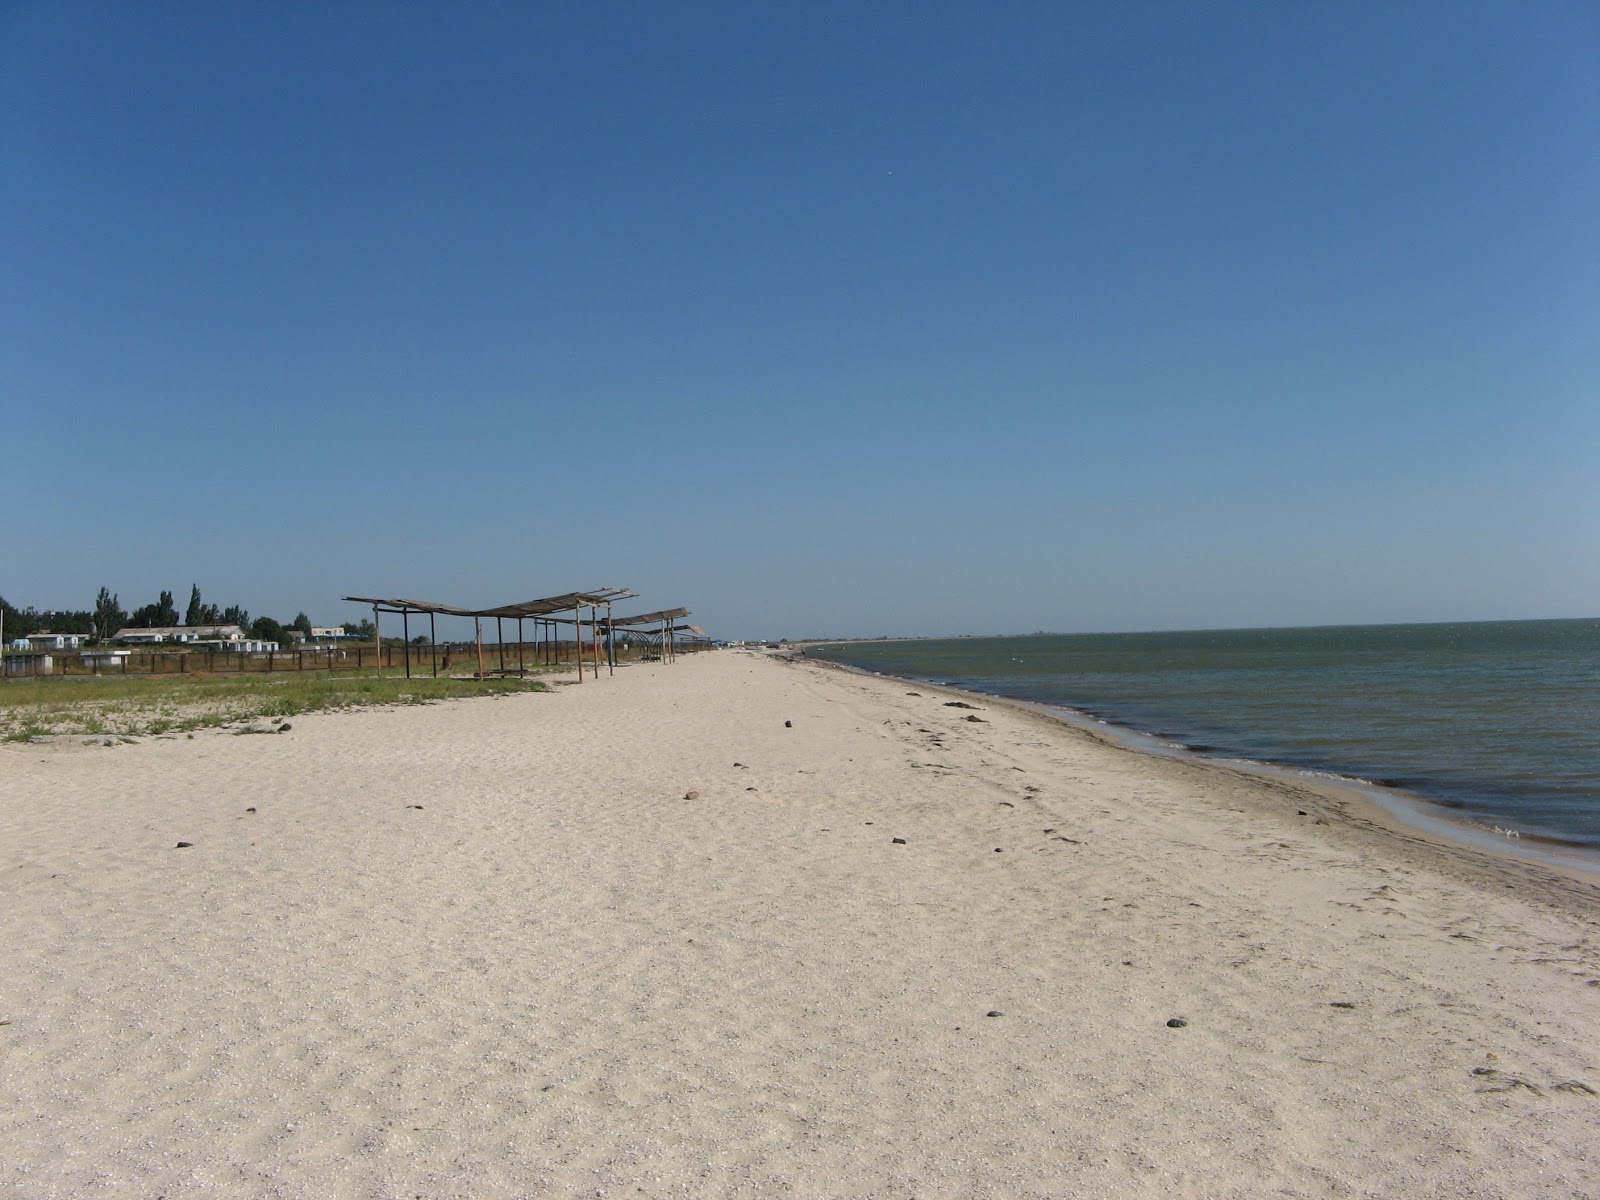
(1007, 804)
(958, 704)
(740, 765)
(285, 727)
(416, 806)
(1340, 1004)
(898, 841)
(998, 850)
(1301, 811)
(750, 789)
(913, 693)
(183, 845)
(691, 795)
(994, 1012)
(1176, 1023)
(979, 720)
(788, 724)
(250, 810)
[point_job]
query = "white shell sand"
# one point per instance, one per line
(558, 976)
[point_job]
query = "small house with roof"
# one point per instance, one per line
(54, 641)
(197, 637)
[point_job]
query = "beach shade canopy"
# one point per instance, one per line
(537, 610)
(666, 614)
(526, 608)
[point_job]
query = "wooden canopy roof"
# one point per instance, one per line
(527, 608)
(665, 614)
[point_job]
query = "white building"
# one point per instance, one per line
(244, 645)
(54, 641)
(103, 659)
(227, 634)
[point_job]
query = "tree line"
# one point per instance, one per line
(102, 622)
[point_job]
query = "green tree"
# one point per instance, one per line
(302, 623)
(196, 612)
(163, 614)
(18, 622)
(108, 615)
(234, 615)
(267, 630)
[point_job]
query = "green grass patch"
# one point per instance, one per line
(133, 707)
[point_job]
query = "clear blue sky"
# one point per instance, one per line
(815, 318)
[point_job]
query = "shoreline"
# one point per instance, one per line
(741, 926)
(1343, 799)
(1405, 811)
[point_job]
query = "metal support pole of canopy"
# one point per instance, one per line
(577, 637)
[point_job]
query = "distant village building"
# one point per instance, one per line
(198, 637)
(101, 659)
(52, 641)
(180, 633)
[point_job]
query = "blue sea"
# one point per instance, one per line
(1495, 724)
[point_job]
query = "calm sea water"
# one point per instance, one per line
(1499, 721)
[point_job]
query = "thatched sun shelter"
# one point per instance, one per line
(547, 615)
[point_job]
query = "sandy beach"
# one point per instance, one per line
(751, 927)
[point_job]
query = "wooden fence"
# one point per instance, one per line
(354, 659)
(459, 658)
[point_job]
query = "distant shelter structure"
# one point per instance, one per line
(665, 637)
(547, 615)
